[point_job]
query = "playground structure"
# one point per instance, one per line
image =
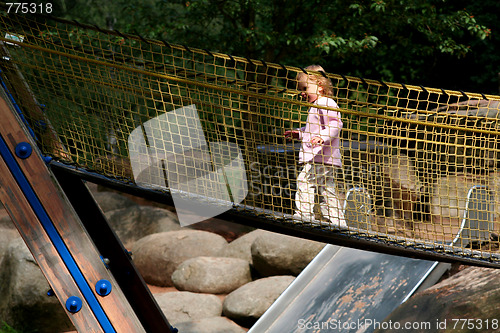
(337, 292)
(74, 95)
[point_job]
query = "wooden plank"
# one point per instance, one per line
(37, 240)
(107, 242)
(68, 225)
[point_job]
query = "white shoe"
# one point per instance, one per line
(302, 217)
(339, 223)
(336, 221)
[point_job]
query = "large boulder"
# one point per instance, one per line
(246, 304)
(403, 184)
(448, 200)
(6, 236)
(209, 325)
(136, 222)
(157, 256)
(471, 295)
(5, 220)
(444, 147)
(241, 247)
(277, 254)
(494, 186)
(24, 303)
(109, 201)
(214, 275)
(229, 230)
(182, 306)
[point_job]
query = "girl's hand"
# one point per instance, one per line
(317, 141)
(293, 134)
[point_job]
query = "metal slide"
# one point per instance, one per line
(350, 290)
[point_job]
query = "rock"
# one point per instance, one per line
(447, 206)
(211, 275)
(444, 147)
(109, 201)
(5, 220)
(277, 254)
(182, 306)
(157, 256)
(478, 108)
(229, 230)
(241, 247)
(247, 303)
(472, 293)
(494, 186)
(209, 325)
(136, 222)
(24, 303)
(6, 236)
(403, 185)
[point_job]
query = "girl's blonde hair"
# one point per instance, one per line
(321, 80)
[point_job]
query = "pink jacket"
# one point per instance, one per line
(327, 125)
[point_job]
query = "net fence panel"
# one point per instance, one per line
(194, 123)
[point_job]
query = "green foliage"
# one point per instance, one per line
(399, 39)
(411, 41)
(6, 328)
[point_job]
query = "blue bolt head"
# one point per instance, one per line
(23, 150)
(105, 261)
(73, 304)
(103, 287)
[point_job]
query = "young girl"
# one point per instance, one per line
(320, 153)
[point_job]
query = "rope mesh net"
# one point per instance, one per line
(419, 164)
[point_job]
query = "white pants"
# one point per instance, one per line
(318, 177)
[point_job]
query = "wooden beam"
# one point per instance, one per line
(108, 244)
(37, 240)
(113, 310)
